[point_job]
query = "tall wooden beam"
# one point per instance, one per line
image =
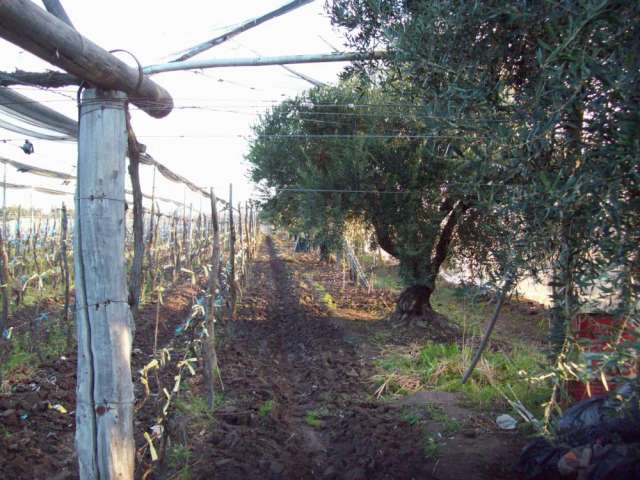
(210, 356)
(23, 23)
(104, 410)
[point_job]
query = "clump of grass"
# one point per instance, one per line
(266, 408)
(441, 366)
(411, 416)
(194, 405)
(196, 409)
(313, 418)
(449, 425)
(23, 356)
(179, 459)
(431, 447)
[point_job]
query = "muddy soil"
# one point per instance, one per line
(298, 399)
(37, 420)
(313, 370)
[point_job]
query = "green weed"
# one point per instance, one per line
(411, 416)
(266, 408)
(313, 418)
(4, 432)
(440, 367)
(449, 425)
(431, 447)
(23, 357)
(179, 458)
(196, 409)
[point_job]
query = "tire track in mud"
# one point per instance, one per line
(286, 353)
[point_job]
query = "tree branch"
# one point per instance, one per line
(446, 234)
(384, 239)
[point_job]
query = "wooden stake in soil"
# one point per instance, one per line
(242, 251)
(233, 294)
(64, 267)
(210, 358)
(135, 276)
(150, 236)
(4, 272)
(4, 278)
(246, 231)
(104, 410)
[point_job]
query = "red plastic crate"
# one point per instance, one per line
(600, 329)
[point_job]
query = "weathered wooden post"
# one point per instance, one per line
(4, 258)
(188, 248)
(246, 230)
(175, 247)
(211, 359)
(233, 293)
(151, 233)
(104, 412)
(242, 258)
(4, 282)
(64, 267)
(18, 234)
(135, 276)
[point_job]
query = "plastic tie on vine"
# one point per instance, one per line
(7, 333)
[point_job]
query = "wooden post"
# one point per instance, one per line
(18, 235)
(211, 359)
(188, 248)
(4, 279)
(135, 276)
(246, 230)
(151, 236)
(255, 230)
(242, 257)
(4, 258)
(233, 294)
(104, 410)
(5, 345)
(34, 241)
(175, 247)
(64, 266)
(156, 253)
(4, 202)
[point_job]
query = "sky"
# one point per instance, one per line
(205, 137)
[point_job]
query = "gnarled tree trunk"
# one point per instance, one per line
(413, 306)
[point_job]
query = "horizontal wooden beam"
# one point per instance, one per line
(23, 23)
(263, 61)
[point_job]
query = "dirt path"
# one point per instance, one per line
(298, 400)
